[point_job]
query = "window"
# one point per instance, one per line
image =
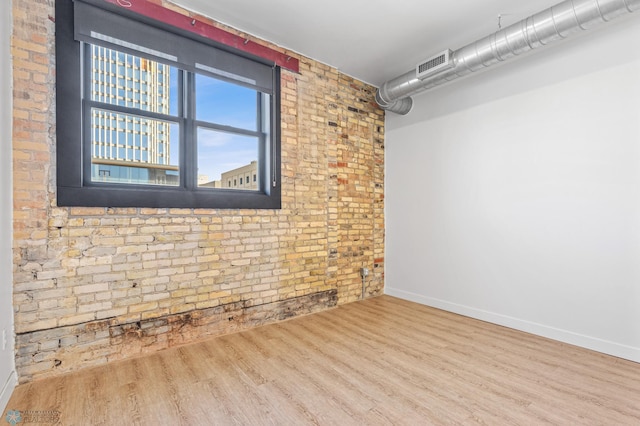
(176, 116)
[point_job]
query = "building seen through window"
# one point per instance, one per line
(239, 178)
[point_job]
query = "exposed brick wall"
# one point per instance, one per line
(97, 284)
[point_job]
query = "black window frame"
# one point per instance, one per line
(73, 189)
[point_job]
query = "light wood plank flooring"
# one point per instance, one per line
(379, 361)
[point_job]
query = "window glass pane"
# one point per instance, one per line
(123, 155)
(225, 103)
(224, 159)
(130, 81)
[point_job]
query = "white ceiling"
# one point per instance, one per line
(372, 40)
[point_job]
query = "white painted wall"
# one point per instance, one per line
(7, 369)
(513, 196)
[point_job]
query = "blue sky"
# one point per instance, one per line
(223, 103)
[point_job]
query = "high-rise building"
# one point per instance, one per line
(128, 148)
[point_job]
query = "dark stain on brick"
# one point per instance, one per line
(211, 321)
(97, 325)
(129, 330)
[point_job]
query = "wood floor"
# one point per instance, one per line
(380, 361)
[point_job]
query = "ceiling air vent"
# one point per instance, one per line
(434, 64)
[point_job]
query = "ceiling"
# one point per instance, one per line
(371, 40)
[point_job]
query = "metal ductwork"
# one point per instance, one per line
(555, 23)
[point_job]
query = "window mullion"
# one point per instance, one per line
(227, 129)
(129, 111)
(263, 165)
(189, 159)
(87, 59)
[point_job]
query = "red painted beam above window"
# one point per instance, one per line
(173, 18)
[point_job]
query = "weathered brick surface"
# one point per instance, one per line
(96, 284)
(65, 348)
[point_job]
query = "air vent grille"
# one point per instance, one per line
(438, 60)
(434, 64)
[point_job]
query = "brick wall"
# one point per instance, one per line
(97, 284)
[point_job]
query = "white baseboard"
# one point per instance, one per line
(588, 342)
(7, 390)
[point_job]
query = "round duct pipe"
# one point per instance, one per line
(401, 106)
(554, 23)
